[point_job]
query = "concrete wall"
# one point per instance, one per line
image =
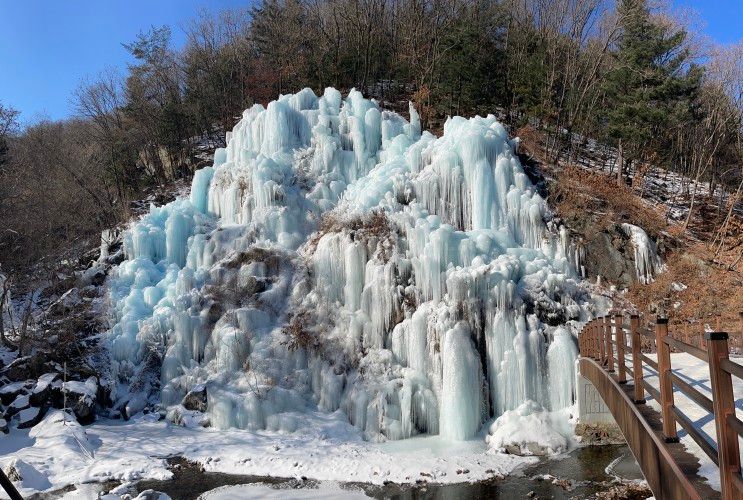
(591, 408)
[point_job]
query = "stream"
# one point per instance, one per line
(579, 474)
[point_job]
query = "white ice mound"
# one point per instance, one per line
(336, 258)
(530, 430)
(647, 261)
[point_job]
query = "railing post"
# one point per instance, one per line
(619, 325)
(723, 403)
(634, 328)
(664, 378)
(600, 338)
(609, 347)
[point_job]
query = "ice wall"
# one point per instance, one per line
(336, 257)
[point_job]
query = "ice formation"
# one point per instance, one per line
(336, 257)
(647, 262)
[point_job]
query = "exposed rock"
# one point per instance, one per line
(81, 398)
(599, 434)
(56, 395)
(610, 256)
(20, 403)
(9, 392)
(27, 367)
(41, 393)
(3, 426)
(196, 399)
(31, 416)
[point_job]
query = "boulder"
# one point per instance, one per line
(20, 403)
(81, 398)
(41, 393)
(196, 399)
(26, 475)
(9, 392)
(28, 367)
(31, 416)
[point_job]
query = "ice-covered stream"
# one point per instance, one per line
(336, 257)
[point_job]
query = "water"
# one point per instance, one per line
(577, 475)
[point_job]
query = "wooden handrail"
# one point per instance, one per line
(653, 364)
(708, 448)
(680, 346)
(619, 327)
(634, 326)
(692, 393)
(598, 340)
(609, 346)
(724, 405)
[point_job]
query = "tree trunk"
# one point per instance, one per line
(620, 164)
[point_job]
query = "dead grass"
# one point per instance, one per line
(713, 279)
(577, 192)
(298, 332)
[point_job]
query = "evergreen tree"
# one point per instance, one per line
(651, 85)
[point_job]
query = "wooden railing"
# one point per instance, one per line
(605, 340)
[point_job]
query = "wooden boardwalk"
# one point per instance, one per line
(671, 471)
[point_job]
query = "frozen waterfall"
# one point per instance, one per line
(336, 257)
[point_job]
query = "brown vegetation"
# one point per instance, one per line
(578, 191)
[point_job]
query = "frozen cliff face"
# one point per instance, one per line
(335, 257)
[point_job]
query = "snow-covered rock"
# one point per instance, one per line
(81, 397)
(30, 416)
(10, 391)
(42, 391)
(196, 399)
(26, 476)
(530, 430)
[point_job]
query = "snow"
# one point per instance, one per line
(336, 258)
(330, 491)
(325, 448)
(531, 430)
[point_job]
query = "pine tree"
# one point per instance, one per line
(651, 84)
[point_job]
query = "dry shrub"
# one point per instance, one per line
(374, 225)
(298, 332)
(712, 291)
(368, 225)
(578, 192)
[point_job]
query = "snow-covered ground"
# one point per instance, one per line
(327, 448)
(696, 373)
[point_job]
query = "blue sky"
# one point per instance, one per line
(48, 47)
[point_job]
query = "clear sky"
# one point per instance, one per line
(48, 46)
